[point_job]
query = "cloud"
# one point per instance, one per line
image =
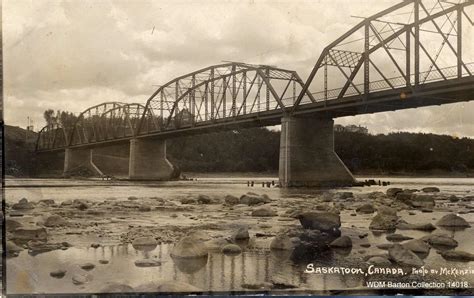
(73, 54)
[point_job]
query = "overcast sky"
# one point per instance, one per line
(70, 55)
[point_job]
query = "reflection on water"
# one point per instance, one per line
(217, 272)
(30, 274)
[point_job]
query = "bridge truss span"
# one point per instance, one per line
(229, 90)
(407, 45)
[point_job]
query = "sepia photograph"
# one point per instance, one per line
(252, 147)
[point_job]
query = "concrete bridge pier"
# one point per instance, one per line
(74, 158)
(148, 161)
(307, 156)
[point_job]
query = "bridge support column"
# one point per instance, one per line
(307, 156)
(74, 158)
(148, 161)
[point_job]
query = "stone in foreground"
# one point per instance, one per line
(403, 256)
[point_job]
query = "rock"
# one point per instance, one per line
(403, 225)
(282, 242)
(58, 273)
(392, 192)
(264, 211)
(203, 199)
(440, 241)
(344, 195)
(231, 249)
(144, 208)
(48, 202)
(241, 234)
(404, 197)
(132, 198)
(430, 189)
(384, 210)
(87, 266)
(282, 282)
(80, 279)
(403, 256)
(383, 222)
(426, 202)
(114, 287)
(188, 201)
(144, 241)
(251, 199)
(231, 200)
(54, 221)
(30, 233)
(397, 237)
(342, 242)
(37, 246)
(189, 247)
(366, 209)
(417, 246)
(322, 221)
(103, 262)
(453, 255)
(147, 263)
(379, 261)
(384, 246)
(23, 204)
(453, 199)
(95, 245)
(452, 220)
(12, 249)
(12, 224)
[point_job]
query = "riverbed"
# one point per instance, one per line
(113, 218)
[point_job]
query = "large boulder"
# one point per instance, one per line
(54, 221)
(322, 221)
(264, 211)
(12, 224)
(417, 246)
(252, 199)
(12, 249)
(422, 201)
(23, 204)
(30, 233)
(397, 237)
(231, 200)
(403, 256)
(342, 242)
(453, 221)
(366, 209)
(383, 222)
(189, 247)
(456, 255)
(241, 234)
(440, 241)
(430, 189)
(231, 249)
(392, 192)
(146, 242)
(403, 225)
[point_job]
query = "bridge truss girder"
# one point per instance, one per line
(397, 52)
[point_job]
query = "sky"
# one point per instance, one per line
(70, 55)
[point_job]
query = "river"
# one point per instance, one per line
(29, 273)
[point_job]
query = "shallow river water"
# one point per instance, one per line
(218, 273)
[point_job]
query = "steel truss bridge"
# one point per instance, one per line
(414, 54)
